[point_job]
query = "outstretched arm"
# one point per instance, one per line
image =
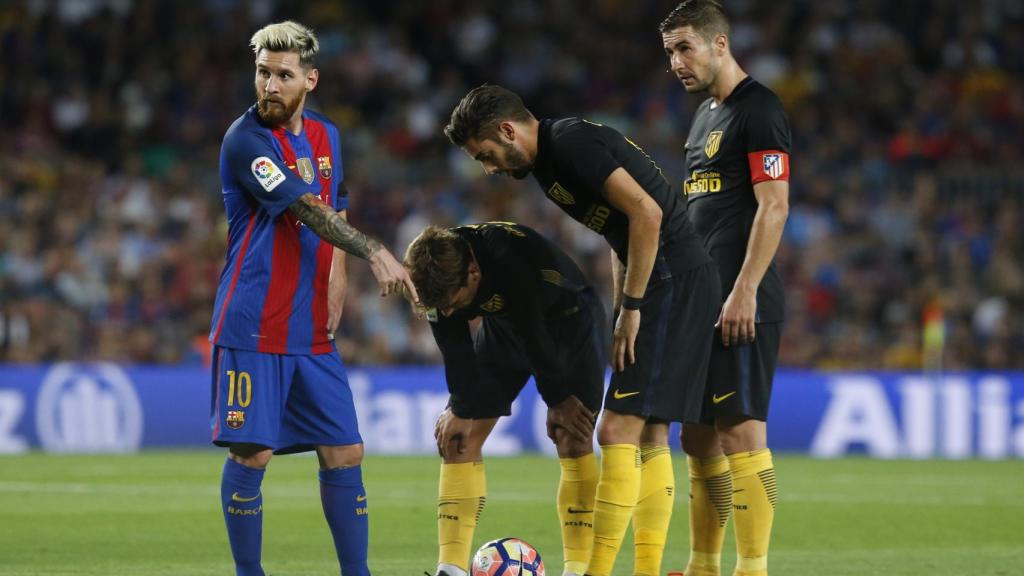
(329, 225)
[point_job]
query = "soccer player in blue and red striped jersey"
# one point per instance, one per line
(279, 385)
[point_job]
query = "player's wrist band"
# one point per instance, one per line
(631, 303)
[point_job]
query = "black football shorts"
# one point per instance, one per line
(740, 376)
(677, 321)
(581, 331)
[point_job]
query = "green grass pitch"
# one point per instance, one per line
(157, 513)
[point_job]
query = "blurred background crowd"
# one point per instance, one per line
(907, 193)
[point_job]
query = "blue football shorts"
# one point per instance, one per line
(287, 402)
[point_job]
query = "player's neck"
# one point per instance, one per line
(294, 124)
(728, 78)
(532, 132)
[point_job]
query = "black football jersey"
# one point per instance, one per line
(575, 157)
(525, 281)
(743, 141)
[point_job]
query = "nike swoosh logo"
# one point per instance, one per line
(577, 511)
(620, 395)
(360, 498)
(449, 503)
(719, 399)
(238, 498)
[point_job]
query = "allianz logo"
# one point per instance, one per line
(921, 417)
(88, 408)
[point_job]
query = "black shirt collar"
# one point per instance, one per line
(739, 88)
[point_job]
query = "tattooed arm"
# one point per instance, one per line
(332, 227)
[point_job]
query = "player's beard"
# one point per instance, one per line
(703, 81)
(277, 111)
(518, 166)
(702, 86)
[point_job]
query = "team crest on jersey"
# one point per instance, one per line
(551, 276)
(560, 194)
(495, 304)
(267, 173)
(305, 168)
(773, 165)
(714, 141)
(323, 163)
(235, 419)
(427, 313)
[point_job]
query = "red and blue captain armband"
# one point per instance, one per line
(768, 165)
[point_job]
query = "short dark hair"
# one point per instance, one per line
(478, 113)
(707, 17)
(438, 262)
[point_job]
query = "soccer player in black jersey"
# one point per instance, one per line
(737, 190)
(540, 318)
(667, 294)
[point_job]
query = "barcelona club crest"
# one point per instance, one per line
(714, 141)
(324, 164)
(305, 169)
(235, 419)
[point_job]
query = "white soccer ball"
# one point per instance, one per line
(507, 557)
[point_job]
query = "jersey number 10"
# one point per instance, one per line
(244, 388)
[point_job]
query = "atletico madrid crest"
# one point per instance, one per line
(324, 165)
(713, 143)
(773, 166)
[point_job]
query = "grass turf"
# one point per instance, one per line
(158, 513)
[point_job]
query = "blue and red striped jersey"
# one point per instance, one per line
(273, 289)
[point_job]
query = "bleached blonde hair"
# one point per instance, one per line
(287, 36)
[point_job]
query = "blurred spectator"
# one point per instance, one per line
(908, 186)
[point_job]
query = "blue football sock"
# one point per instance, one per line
(243, 513)
(344, 501)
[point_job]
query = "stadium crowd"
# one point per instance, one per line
(907, 186)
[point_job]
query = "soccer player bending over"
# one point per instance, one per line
(279, 385)
(666, 299)
(737, 156)
(539, 318)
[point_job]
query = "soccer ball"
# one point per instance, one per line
(507, 557)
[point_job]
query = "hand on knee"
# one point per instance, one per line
(568, 446)
(463, 450)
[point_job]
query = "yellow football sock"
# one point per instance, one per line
(460, 499)
(753, 502)
(653, 509)
(617, 491)
(710, 504)
(576, 490)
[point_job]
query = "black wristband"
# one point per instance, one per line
(631, 303)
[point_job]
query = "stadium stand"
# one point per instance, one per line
(907, 198)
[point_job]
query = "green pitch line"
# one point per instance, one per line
(158, 513)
